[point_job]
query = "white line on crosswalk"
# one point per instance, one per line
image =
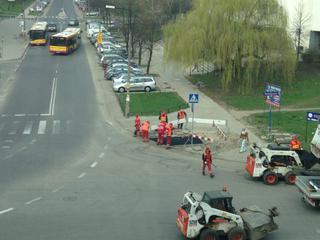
(14, 128)
(56, 127)
(28, 128)
(42, 127)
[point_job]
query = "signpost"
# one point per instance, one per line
(272, 95)
(193, 98)
(313, 117)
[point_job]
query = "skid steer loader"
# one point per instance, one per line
(212, 216)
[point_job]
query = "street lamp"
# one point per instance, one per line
(127, 107)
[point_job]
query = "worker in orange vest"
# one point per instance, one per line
(145, 127)
(137, 125)
(207, 162)
(169, 129)
(295, 144)
(163, 117)
(161, 130)
(182, 116)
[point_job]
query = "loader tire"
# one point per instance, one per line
(290, 178)
(208, 234)
(270, 178)
(236, 233)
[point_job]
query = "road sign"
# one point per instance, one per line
(272, 94)
(313, 116)
(193, 98)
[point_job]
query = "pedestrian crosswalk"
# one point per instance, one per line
(35, 127)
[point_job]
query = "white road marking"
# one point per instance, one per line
(8, 141)
(109, 138)
(6, 210)
(5, 115)
(57, 189)
(9, 156)
(82, 175)
(42, 127)
(5, 147)
(45, 114)
(94, 164)
(53, 96)
(33, 200)
(110, 123)
(33, 141)
(33, 115)
(28, 128)
(56, 127)
(2, 126)
(20, 115)
(101, 155)
(23, 148)
(105, 146)
(14, 128)
(68, 126)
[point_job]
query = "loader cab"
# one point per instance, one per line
(220, 200)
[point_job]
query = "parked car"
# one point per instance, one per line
(110, 73)
(137, 83)
(52, 27)
(73, 23)
(123, 77)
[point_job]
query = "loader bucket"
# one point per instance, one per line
(258, 224)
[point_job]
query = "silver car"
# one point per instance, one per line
(138, 83)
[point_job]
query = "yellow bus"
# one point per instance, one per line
(65, 42)
(38, 33)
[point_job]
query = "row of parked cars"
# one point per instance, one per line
(114, 60)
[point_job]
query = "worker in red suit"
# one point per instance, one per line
(137, 125)
(163, 117)
(161, 130)
(169, 129)
(295, 144)
(145, 128)
(207, 162)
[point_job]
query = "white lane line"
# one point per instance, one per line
(6, 210)
(5, 147)
(5, 115)
(82, 175)
(33, 200)
(53, 96)
(8, 141)
(42, 127)
(94, 164)
(101, 155)
(57, 189)
(56, 127)
(14, 128)
(23, 148)
(20, 115)
(9, 156)
(33, 115)
(28, 128)
(105, 147)
(45, 114)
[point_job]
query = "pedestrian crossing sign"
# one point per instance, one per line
(193, 97)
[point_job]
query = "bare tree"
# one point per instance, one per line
(299, 27)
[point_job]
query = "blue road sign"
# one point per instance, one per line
(193, 98)
(272, 94)
(313, 116)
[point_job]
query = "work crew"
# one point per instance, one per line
(169, 129)
(137, 125)
(244, 139)
(207, 162)
(182, 116)
(161, 131)
(163, 117)
(145, 127)
(295, 144)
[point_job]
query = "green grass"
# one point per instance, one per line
(303, 93)
(150, 104)
(13, 8)
(289, 122)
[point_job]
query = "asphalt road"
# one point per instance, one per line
(67, 174)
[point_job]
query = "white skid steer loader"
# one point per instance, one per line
(212, 216)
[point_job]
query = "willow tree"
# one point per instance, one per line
(247, 38)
